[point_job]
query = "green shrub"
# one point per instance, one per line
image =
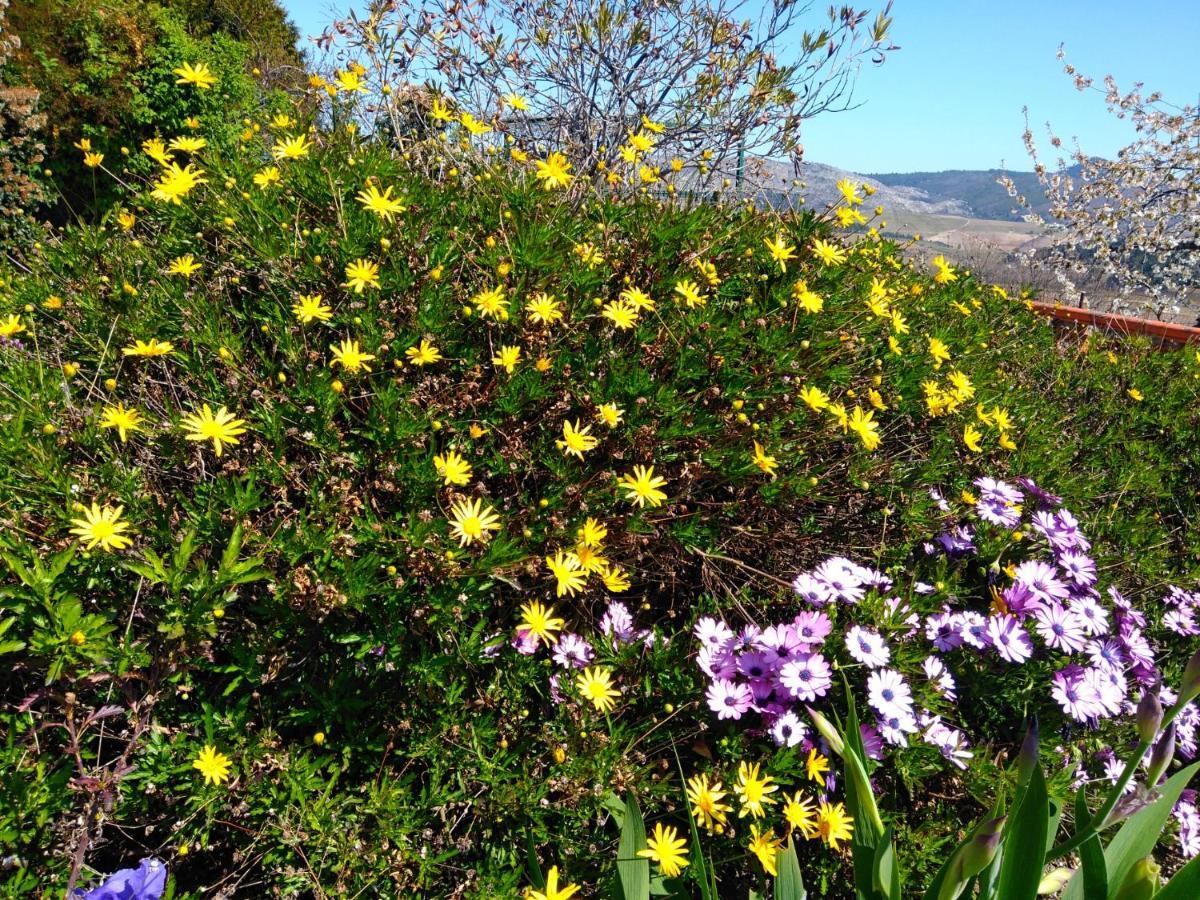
(298, 603)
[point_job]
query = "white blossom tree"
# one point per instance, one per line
(1131, 223)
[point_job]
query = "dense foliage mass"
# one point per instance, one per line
(100, 72)
(379, 518)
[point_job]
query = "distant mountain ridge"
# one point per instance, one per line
(972, 193)
(976, 189)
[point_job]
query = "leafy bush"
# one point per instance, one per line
(20, 148)
(315, 451)
(104, 72)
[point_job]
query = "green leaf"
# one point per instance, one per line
(868, 826)
(788, 884)
(532, 866)
(1093, 873)
(1091, 882)
(698, 868)
(1185, 885)
(1137, 837)
(1056, 811)
(229, 558)
(633, 870)
(887, 873)
(1025, 842)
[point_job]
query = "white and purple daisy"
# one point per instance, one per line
(806, 677)
(573, 652)
(867, 647)
(788, 730)
(1009, 639)
(1042, 580)
(729, 699)
(888, 693)
(1060, 628)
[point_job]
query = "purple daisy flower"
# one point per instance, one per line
(717, 663)
(1181, 621)
(1020, 600)
(754, 665)
(812, 591)
(779, 643)
(867, 647)
(1009, 639)
(895, 727)
(1042, 579)
(729, 699)
(573, 652)
(1076, 696)
(806, 677)
(973, 627)
(888, 693)
(843, 577)
(1060, 628)
(147, 882)
(951, 742)
(617, 623)
(940, 678)
(944, 631)
(872, 741)
(525, 642)
(811, 628)
(1037, 494)
(1079, 567)
(788, 730)
(712, 633)
(1091, 614)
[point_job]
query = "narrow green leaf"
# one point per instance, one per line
(1056, 811)
(788, 884)
(1090, 881)
(886, 871)
(1025, 842)
(1137, 837)
(533, 867)
(698, 868)
(633, 870)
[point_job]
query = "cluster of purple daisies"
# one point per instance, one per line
(777, 670)
(1044, 604)
(1053, 607)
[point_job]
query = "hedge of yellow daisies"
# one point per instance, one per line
(360, 502)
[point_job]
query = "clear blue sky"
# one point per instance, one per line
(951, 98)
